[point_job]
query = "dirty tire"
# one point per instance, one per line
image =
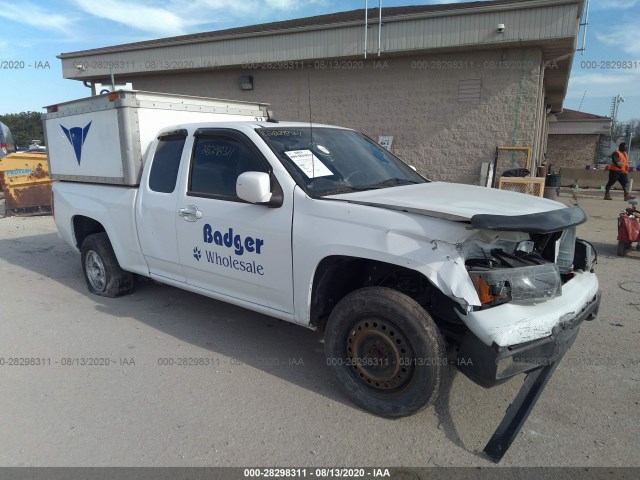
(386, 351)
(622, 248)
(101, 269)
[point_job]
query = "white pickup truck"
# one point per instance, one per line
(320, 226)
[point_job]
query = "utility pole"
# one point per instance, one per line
(605, 145)
(615, 103)
(629, 144)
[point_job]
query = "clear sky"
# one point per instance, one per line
(34, 32)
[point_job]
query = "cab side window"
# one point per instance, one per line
(166, 163)
(218, 160)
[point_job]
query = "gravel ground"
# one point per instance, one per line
(267, 396)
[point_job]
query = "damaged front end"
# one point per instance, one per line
(503, 278)
(535, 285)
(527, 281)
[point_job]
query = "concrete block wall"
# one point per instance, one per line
(414, 98)
(572, 151)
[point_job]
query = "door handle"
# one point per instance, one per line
(190, 213)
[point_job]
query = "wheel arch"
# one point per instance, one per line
(84, 226)
(338, 275)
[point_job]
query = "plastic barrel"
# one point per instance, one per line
(551, 193)
(552, 181)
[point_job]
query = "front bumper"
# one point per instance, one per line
(516, 323)
(491, 365)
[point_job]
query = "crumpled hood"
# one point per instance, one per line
(452, 201)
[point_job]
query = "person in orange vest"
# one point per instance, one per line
(619, 172)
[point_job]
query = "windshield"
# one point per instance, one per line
(336, 161)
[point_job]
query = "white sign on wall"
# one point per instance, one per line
(386, 141)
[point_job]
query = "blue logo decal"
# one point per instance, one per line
(197, 254)
(229, 240)
(76, 137)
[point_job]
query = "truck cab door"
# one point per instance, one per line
(156, 206)
(227, 246)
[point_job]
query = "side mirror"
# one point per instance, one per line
(254, 187)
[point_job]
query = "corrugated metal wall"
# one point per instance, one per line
(455, 29)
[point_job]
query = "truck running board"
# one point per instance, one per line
(519, 410)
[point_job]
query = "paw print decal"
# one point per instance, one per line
(197, 254)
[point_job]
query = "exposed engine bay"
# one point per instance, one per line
(526, 268)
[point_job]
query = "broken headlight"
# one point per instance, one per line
(522, 284)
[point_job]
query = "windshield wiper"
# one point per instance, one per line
(343, 189)
(390, 182)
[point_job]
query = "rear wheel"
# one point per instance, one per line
(386, 350)
(101, 269)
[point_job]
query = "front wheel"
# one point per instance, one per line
(386, 350)
(101, 269)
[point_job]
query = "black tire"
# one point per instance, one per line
(101, 269)
(623, 248)
(386, 351)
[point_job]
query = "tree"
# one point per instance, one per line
(621, 131)
(634, 125)
(24, 126)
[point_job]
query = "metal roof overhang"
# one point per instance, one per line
(580, 127)
(551, 25)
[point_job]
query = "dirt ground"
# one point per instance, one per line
(262, 394)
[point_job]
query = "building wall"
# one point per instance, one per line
(572, 151)
(415, 99)
(553, 21)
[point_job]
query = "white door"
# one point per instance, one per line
(225, 245)
(155, 212)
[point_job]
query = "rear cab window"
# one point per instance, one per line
(166, 161)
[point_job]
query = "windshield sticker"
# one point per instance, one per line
(283, 133)
(310, 165)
